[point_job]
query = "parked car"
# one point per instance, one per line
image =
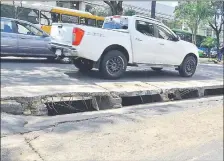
(23, 39)
(129, 40)
(213, 52)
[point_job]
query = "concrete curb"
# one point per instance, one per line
(14, 124)
(31, 100)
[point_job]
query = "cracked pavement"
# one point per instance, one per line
(183, 130)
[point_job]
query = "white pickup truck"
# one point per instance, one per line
(124, 41)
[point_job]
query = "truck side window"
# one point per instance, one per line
(164, 33)
(145, 28)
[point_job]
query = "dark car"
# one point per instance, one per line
(23, 39)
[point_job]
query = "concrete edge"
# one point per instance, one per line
(36, 123)
(107, 99)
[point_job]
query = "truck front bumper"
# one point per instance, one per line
(64, 50)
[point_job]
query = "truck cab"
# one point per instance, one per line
(123, 41)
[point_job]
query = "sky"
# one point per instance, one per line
(169, 3)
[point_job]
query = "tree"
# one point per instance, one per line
(115, 7)
(129, 12)
(216, 20)
(153, 9)
(193, 13)
(97, 10)
(88, 8)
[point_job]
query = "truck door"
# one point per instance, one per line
(144, 43)
(170, 47)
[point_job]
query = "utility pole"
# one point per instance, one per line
(153, 9)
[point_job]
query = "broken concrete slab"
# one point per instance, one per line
(12, 106)
(130, 88)
(106, 95)
(54, 90)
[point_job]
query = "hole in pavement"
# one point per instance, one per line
(183, 94)
(136, 100)
(188, 93)
(171, 96)
(67, 107)
(212, 92)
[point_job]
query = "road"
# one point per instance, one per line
(190, 130)
(39, 72)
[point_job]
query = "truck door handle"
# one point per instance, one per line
(60, 26)
(23, 38)
(161, 44)
(138, 39)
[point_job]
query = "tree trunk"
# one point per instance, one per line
(153, 9)
(115, 7)
(218, 40)
(194, 36)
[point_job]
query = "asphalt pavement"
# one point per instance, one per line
(16, 72)
(189, 130)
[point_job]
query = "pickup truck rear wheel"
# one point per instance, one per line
(83, 65)
(113, 64)
(188, 67)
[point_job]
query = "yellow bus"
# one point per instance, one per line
(44, 15)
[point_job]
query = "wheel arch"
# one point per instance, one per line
(191, 54)
(113, 47)
(117, 47)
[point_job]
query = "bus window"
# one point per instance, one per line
(55, 17)
(45, 18)
(99, 23)
(82, 21)
(28, 14)
(87, 21)
(69, 19)
(90, 22)
(7, 11)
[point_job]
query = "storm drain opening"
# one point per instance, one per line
(68, 107)
(188, 93)
(143, 99)
(180, 94)
(213, 92)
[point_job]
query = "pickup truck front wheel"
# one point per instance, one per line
(83, 65)
(113, 64)
(188, 67)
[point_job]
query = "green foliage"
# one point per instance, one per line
(129, 12)
(209, 42)
(99, 11)
(173, 24)
(193, 13)
(217, 13)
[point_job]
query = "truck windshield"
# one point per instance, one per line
(115, 23)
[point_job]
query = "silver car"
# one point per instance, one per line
(23, 39)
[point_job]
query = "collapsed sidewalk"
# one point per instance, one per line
(39, 100)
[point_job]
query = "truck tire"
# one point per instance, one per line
(83, 65)
(113, 64)
(188, 66)
(156, 69)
